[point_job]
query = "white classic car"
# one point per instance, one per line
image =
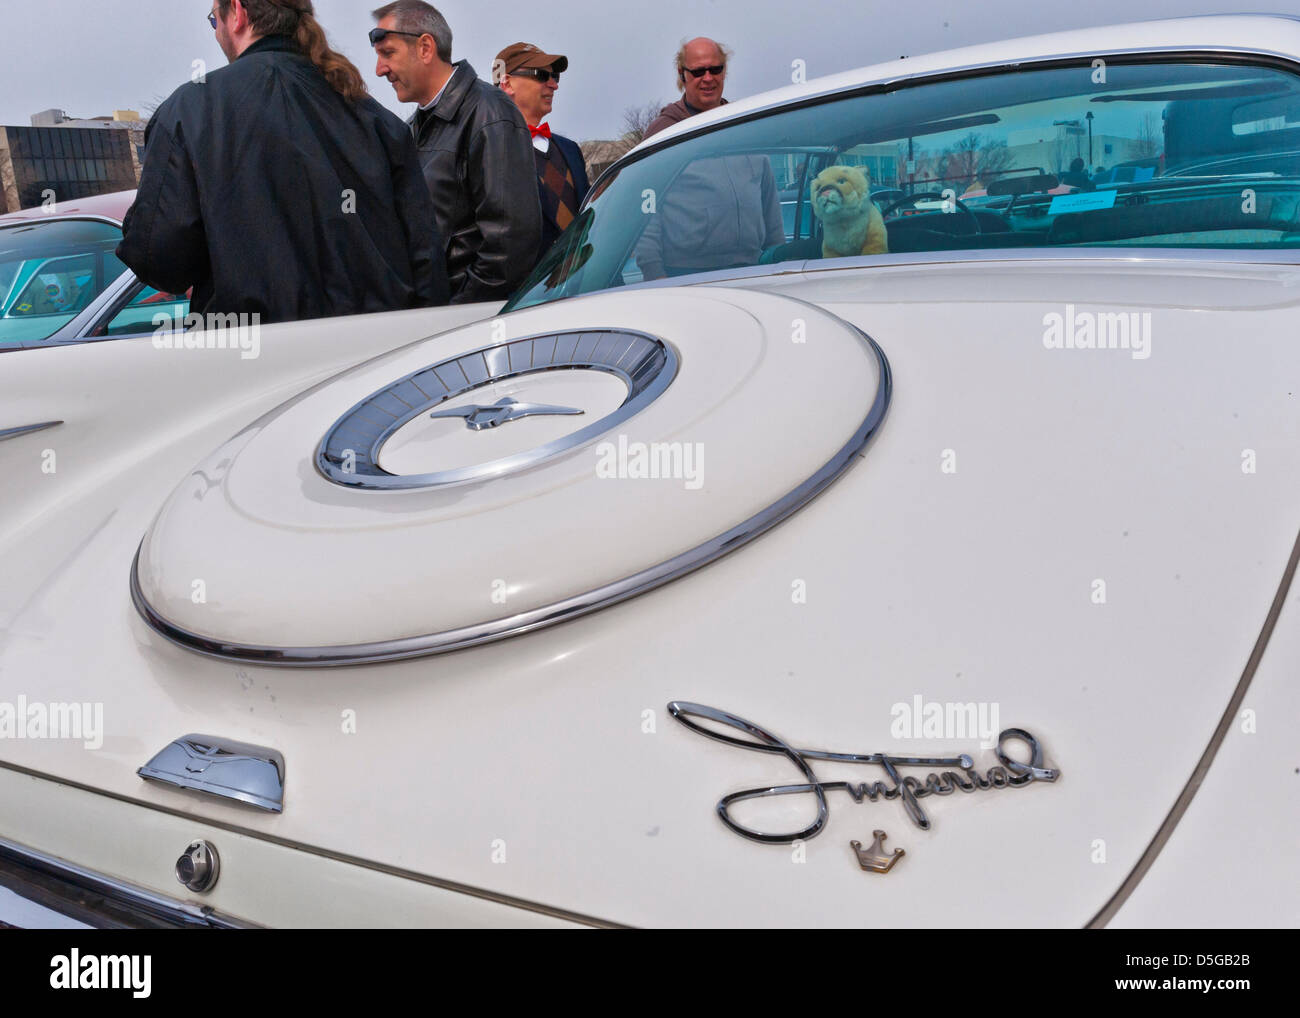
(715, 581)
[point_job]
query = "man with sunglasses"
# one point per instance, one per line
(530, 77)
(475, 151)
(701, 74)
(722, 212)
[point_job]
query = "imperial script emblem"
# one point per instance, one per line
(960, 777)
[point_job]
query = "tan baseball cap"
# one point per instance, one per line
(520, 55)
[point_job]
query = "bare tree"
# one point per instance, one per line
(637, 120)
(147, 110)
(1149, 136)
(995, 157)
(959, 161)
(972, 158)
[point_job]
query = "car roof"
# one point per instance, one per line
(104, 206)
(1273, 33)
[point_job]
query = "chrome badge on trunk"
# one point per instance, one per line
(961, 775)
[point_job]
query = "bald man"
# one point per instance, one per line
(701, 74)
(721, 212)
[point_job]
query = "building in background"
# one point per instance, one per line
(69, 158)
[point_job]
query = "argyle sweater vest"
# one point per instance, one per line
(557, 191)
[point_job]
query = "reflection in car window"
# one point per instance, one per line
(137, 317)
(59, 286)
(1157, 155)
(50, 272)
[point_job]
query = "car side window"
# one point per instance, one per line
(59, 286)
(52, 271)
(141, 314)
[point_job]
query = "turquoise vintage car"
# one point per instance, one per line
(61, 282)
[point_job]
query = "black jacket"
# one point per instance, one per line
(269, 193)
(477, 157)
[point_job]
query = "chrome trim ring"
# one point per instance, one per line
(560, 611)
(646, 365)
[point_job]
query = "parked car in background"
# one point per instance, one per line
(952, 586)
(60, 281)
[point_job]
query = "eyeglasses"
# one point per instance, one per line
(542, 74)
(699, 72)
(378, 35)
(212, 20)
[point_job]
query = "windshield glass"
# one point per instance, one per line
(1138, 154)
(50, 271)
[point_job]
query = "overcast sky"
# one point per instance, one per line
(115, 54)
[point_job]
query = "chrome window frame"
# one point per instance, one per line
(111, 303)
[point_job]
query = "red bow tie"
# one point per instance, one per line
(541, 132)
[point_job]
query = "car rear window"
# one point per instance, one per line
(1100, 154)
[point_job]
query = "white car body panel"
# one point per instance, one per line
(938, 598)
(281, 884)
(1245, 816)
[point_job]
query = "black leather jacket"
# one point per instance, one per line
(477, 157)
(269, 194)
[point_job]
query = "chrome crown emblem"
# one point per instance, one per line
(875, 859)
(503, 411)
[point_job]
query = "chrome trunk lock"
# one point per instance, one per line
(199, 867)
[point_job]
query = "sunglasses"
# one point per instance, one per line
(699, 72)
(378, 35)
(540, 73)
(212, 20)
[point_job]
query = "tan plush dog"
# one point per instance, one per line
(852, 225)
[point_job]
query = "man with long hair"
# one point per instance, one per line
(277, 186)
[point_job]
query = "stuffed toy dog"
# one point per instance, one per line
(851, 223)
